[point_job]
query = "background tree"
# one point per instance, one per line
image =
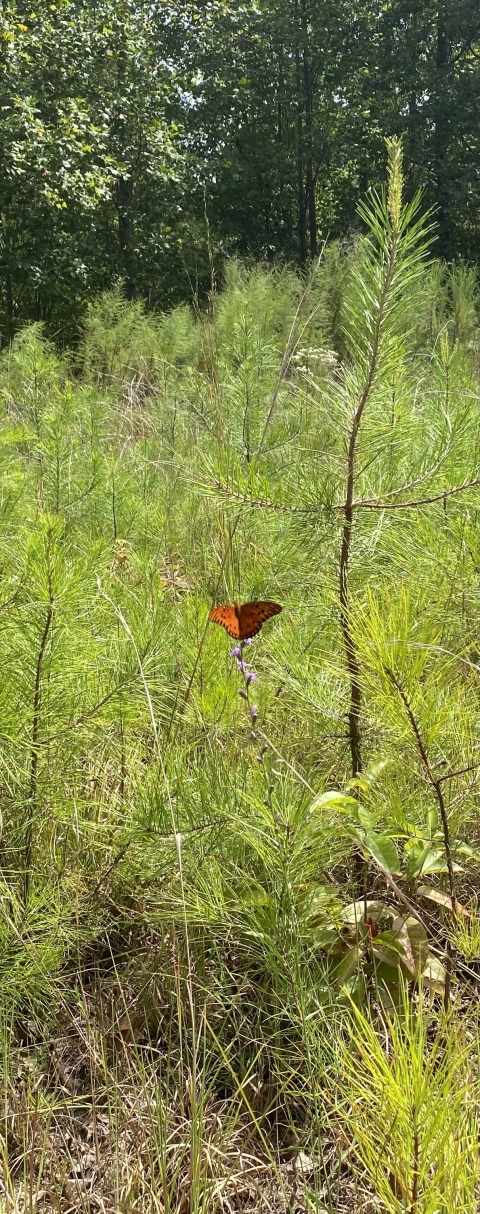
(123, 126)
(85, 150)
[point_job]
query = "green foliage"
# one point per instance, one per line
(69, 151)
(420, 1091)
(164, 844)
(167, 139)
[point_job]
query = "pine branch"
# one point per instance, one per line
(421, 501)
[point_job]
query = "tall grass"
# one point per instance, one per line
(177, 876)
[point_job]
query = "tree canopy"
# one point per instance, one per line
(143, 144)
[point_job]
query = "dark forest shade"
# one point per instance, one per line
(127, 126)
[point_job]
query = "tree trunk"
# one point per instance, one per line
(441, 138)
(9, 304)
(302, 224)
(308, 102)
(414, 153)
(124, 202)
(280, 95)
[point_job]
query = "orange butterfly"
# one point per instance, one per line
(245, 621)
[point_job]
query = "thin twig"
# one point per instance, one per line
(436, 785)
(262, 503)
(421, 501)
(399, 892)
(450, 775)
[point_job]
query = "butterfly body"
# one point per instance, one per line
(243, 622)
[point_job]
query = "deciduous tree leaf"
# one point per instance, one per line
(351, 962)
(334, 800)
(388, 948)
(412, 935)
(367, 818)
(416, 859)
(434, 974)
(432, 821)
(383, 849)
(435, 862)
(355, 911)
(442, 899)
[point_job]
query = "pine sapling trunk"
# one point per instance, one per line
(353, 664)
(32, 790)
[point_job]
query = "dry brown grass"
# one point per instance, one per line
(99, 1118)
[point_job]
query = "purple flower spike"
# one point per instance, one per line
(248, 641)
(254, 711)
(242, 693)
(235, 653)
(241, 666)
(251, 676)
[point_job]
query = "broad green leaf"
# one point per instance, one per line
(351, 962)
(324, 903)
(390, 939)
(464, 849)
(368, 777)
(432, 821)
(416, 859)
(436, 863)
(334, 800)
(327, 938)
(388, 948)
(383, 849)
(367, 818)
(389, 990)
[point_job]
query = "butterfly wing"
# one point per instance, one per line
(253, 615)
(245, 621)
(228, 617)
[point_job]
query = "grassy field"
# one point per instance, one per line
(240, 939)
